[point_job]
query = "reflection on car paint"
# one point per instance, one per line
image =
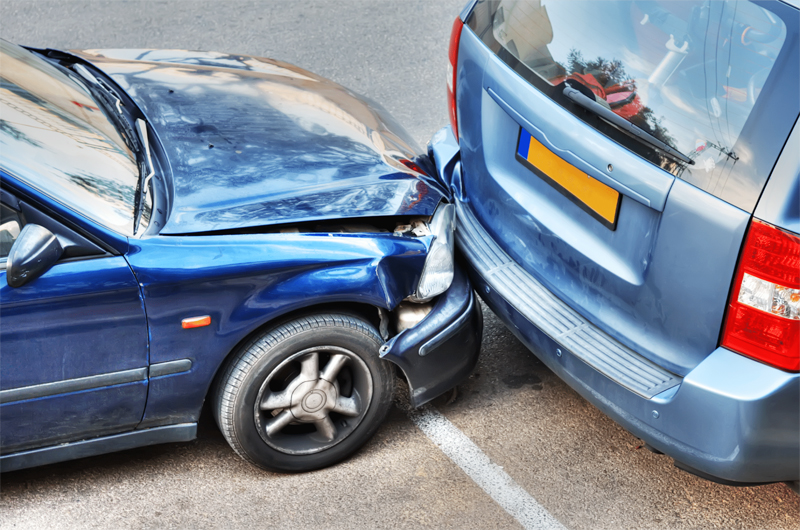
(288, 143)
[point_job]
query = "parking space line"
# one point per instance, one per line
(486, 474)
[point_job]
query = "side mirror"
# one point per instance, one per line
(33, 253)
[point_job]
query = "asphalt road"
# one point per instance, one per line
(578, 465)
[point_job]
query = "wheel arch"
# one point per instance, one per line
(368, 312)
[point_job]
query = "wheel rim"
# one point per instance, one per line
(313, 400)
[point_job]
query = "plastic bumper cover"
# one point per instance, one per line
(730, 419)
(440, 351)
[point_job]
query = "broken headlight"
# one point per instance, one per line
(437, 274)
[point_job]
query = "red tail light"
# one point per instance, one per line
(452, 67)
(763, 317)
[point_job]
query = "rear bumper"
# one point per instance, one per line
(730, 419)
(440, 351)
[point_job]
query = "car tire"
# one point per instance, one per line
(306, 394)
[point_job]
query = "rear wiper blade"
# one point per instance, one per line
(106, 96)
(146, 173)
(618, 121)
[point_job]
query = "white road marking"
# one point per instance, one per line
(489, 476)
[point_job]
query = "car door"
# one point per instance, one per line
(74, 341)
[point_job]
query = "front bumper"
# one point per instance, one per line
(730, 419)
(440, 351)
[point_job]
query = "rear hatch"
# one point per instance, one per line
(641, 240)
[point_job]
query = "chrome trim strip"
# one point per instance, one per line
(170, 367)
(554, 317)
(449, 331)
(73, 385)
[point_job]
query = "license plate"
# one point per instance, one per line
(591, 195)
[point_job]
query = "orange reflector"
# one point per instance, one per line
(195, 322)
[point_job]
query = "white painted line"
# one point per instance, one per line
(489, 476)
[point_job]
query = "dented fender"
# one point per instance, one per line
(246, 281)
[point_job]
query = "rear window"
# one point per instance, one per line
(717, 81)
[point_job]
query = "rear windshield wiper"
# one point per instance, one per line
(107, 97)
(618, 121)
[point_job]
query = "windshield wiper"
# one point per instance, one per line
(106, 96)
(146, 173)
(618, 121)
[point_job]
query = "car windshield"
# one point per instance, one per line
(688, 72)
(57, 139)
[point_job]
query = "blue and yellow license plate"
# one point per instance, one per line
(595, 198)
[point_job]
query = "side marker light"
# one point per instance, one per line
(195, 322)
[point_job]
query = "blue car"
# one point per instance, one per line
(625, 175)
(181, 227)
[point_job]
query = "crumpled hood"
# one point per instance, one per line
(254, 142)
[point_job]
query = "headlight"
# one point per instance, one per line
(437, 274)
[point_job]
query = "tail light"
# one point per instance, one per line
(763, 316)
(452, 67)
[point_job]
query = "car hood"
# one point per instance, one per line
(254, 142)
